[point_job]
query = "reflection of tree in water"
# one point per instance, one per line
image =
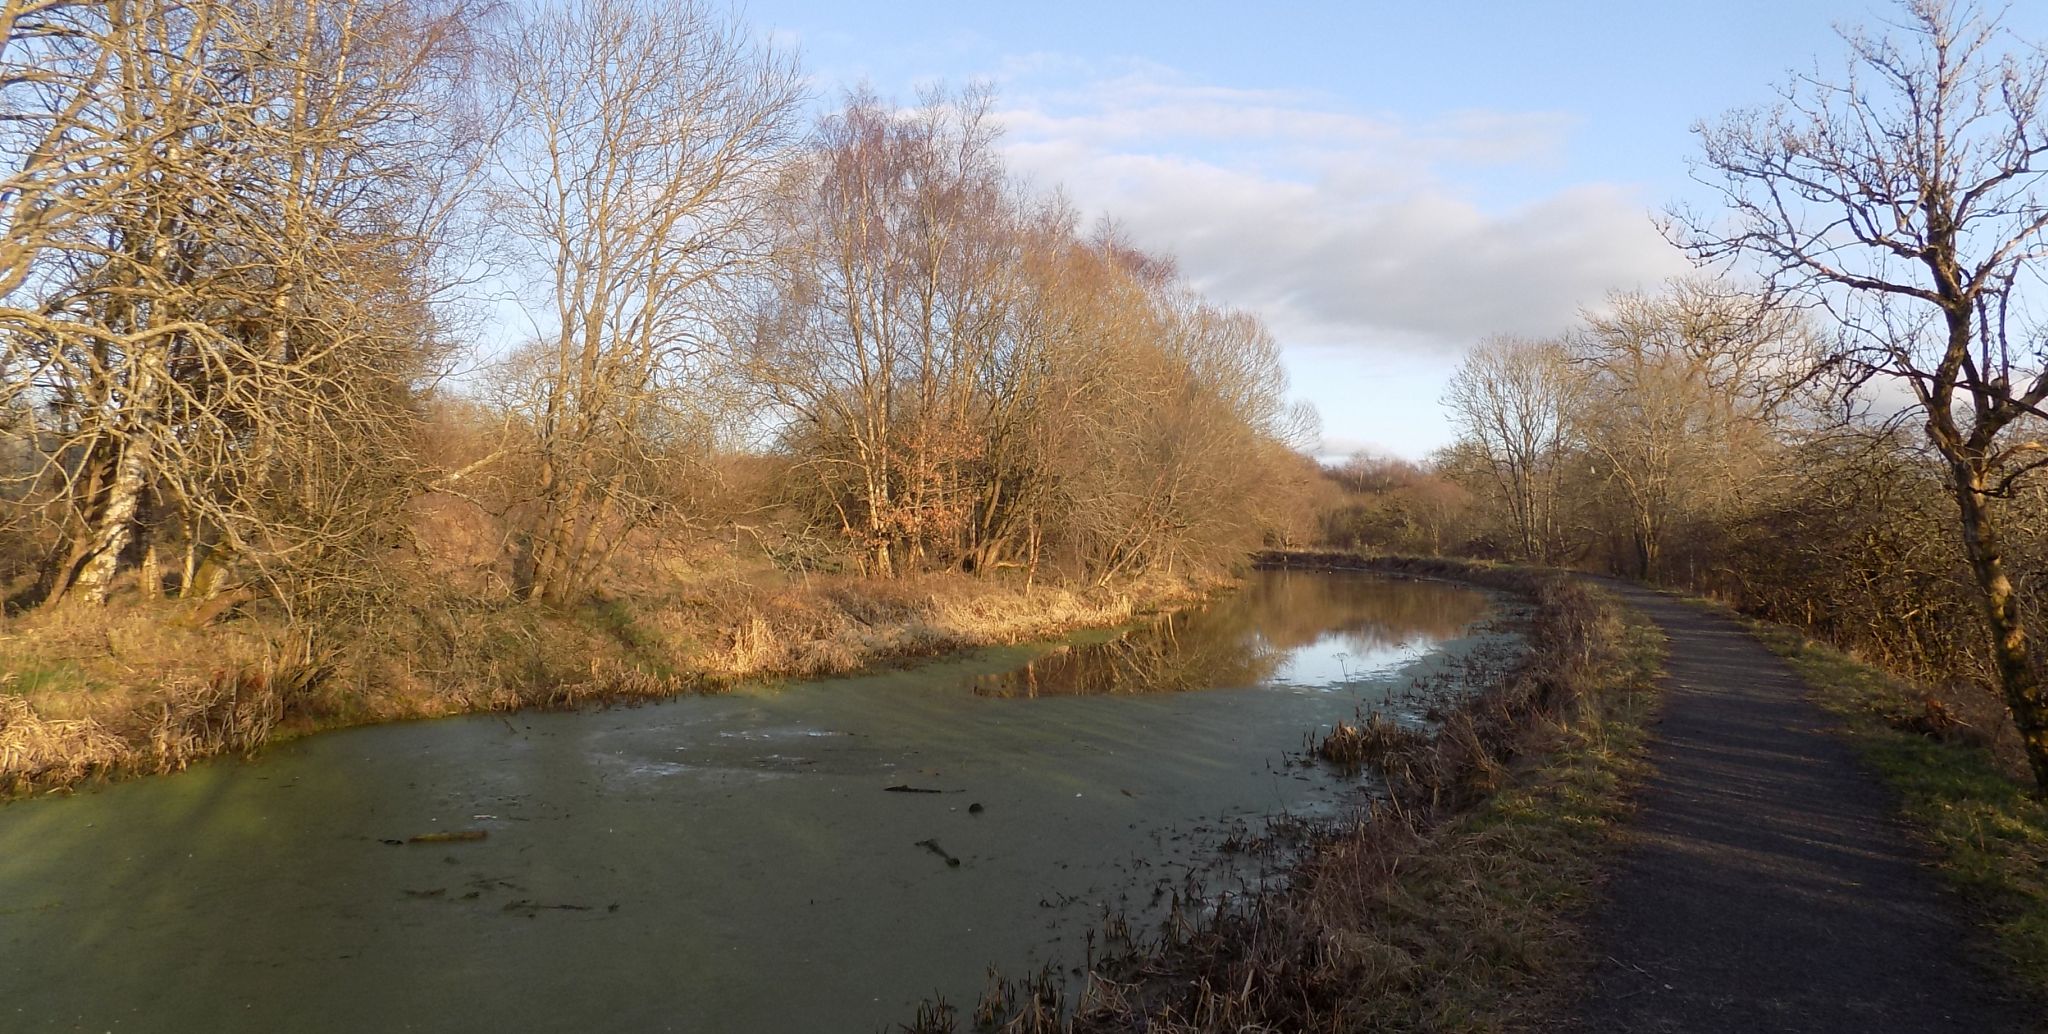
(1178, 652)
(1242, 639)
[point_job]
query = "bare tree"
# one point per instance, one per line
(898, 285)
(1906, 196)
(969, 381)
(1513, 401)
(1683, 392)
(47, 84)
(645, 147)
(218, 298)
(1187, 442)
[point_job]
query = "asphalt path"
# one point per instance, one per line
(1766, 885)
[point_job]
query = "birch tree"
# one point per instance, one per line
(896, 295)
(225, 214)
(1513, 401)
(645, 147)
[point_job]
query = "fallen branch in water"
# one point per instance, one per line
(451, 836)
(933, 847)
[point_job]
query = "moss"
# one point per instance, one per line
(31, 676)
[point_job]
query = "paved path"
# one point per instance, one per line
(1767, 887)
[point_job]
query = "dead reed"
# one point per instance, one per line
(35, 749)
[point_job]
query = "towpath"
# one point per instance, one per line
(1766, 886)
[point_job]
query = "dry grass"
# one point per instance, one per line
(58, 750)
(183, 722)
(1446, 909)
(137, 689)
(1376, 742)
(837, 626)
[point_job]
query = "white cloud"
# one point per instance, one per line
(1343, 228)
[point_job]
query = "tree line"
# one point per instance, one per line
(251, 246)
(1848, 429)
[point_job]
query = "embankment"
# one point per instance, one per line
(1446, 906)
(139, 689)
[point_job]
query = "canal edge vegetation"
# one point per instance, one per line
(809, 381)
(1452, 903)
(121, 692)
(1952, 789)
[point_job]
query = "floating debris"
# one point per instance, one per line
(529, 909)
(933, 847)
(449, 837)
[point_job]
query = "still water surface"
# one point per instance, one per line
(729, 863)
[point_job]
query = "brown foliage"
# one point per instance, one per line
(970, 383)
(1388, 505)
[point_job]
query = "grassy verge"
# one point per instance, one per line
(138, 689)
(1991, 833)
(1450, 906)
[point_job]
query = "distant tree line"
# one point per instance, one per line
(1859, 442)
(246, 248)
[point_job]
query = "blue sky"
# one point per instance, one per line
(1385, 182)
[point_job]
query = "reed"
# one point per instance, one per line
(1445, 907)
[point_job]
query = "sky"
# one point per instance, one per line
(1386, 183)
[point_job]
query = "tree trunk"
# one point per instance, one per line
(55, 578)
(152, 572)
(2019, 671)
(116, 525)
(547, 557)
(211, 576)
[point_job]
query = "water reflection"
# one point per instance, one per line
(1293, 628)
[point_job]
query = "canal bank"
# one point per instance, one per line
(1455, 903)
(776, 858)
